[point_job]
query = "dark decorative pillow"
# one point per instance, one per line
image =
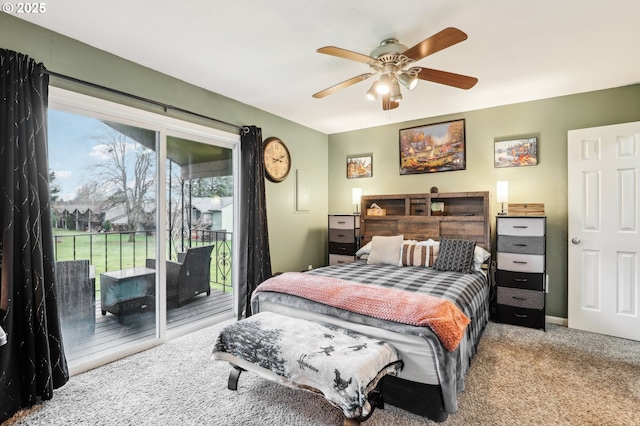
(455, 255)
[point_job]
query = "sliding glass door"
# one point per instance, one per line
(200, 218)
(143, 217)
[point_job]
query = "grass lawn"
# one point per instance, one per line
(113, 251)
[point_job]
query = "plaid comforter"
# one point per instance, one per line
(470, 292)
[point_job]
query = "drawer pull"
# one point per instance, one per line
(520, 226)
(520, 245)
(341, 221)
(520, 315)
(341, 235)
(520, 262)
(520, 280)
(522, 299)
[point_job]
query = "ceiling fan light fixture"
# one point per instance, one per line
(372, 94)
(394, 94)
(409, 81)
(383, 86)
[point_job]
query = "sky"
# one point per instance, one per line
(74, 149)
(71, 141)
(77, 145)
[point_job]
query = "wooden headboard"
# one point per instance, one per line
(465, 216)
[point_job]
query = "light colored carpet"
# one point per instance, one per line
(519, 377)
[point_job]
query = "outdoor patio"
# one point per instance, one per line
(110, 333)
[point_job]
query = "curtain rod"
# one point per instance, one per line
(140, 98)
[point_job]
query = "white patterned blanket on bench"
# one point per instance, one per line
(342, 365)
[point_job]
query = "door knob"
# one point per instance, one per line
(575, 240)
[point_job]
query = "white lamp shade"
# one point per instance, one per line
(502, 192)
(356, 193)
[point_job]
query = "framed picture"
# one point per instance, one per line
(516, 153)
(359, 166)
(433, 148)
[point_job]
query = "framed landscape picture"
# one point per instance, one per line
(359, 166)
(433, 148)
(516, 153)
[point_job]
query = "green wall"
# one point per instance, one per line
(299, 239)
(547, 119)
(296, 239)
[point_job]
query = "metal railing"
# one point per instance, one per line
(109, 251)
(221, 255)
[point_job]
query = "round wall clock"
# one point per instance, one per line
(277, 160)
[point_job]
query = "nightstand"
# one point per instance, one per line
(521, 270)
(344, 235)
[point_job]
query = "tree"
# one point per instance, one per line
(89, 193)
(54, 189)
(220, 186)
(126, 176)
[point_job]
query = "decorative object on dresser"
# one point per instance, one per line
(502, 195)
(521, 270)
(344, 236)
(356, 196)
(526, 209)
(433, 148)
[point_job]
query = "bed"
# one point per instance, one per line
(433, 374)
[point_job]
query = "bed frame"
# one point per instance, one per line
(465, 216)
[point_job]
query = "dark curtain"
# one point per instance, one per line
(32, 362)
(255, 260)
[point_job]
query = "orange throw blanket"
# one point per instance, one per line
(444, 318)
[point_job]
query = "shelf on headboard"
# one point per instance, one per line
(466, 216)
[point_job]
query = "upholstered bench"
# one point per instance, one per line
(344, 366)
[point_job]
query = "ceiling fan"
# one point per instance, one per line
(393, 62)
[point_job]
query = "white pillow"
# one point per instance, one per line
(480, 256)
(366, 249)
(386, 250)
(429, 242)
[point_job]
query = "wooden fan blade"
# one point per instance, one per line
(342, 85)
(388, 104)
(346, 54)
(445, 38)
(450, 79)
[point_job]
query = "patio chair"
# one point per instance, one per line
(76, 289)
(189, 278)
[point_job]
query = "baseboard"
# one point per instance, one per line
(557, 320)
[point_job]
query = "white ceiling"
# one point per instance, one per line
(263, 53)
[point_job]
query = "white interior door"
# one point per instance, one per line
(604, 242)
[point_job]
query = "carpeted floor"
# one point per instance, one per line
(519, 377)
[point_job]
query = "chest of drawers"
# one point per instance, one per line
(521, 270)
(344, 233)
